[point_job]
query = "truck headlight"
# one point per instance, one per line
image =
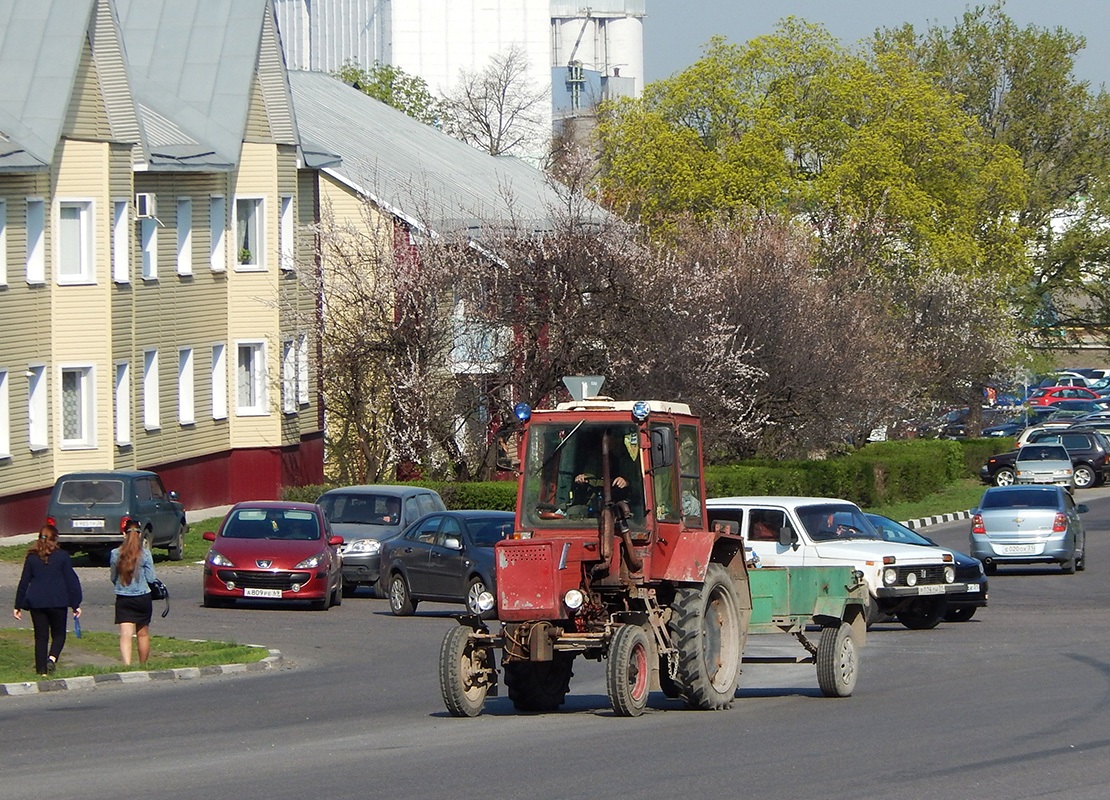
(911, 579)
(949, 574)
(890, 576)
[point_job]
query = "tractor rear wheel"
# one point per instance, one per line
(538, 685)
(463, 671)
(627, 676)
(708, 629)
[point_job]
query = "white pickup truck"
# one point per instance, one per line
(909, 582)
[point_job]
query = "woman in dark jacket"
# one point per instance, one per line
(47, 587)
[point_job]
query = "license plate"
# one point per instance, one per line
(973, 587)
(271, 593)
(931, 590)
(88, 523)
(1017, 549)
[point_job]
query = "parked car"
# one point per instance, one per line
(1048, 395)
(364, 516)
(904, 581)
(446, 557)
(1028, 525)
(961, 607)
(89, 509)
(273, 550)
(1088, 449)
(1044, 463)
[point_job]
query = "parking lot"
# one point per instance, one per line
(1011, 704)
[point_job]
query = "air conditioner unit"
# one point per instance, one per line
(144, 205)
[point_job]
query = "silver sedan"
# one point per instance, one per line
(1028, 525)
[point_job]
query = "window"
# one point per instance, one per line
(184, 236)
(288, 377)
(36, 248)
(123, 403)
(252, 378)
(219, 381)
(36, 407)
(185, 411)
(3, 245)
(75, 242)
(77, 407)
(151, 409)
(286, 250)
(302, 369)
(217, 223)
(248, 233)
(148, 238)
(5, 417)
(121, 242)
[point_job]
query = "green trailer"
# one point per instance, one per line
(828, 602)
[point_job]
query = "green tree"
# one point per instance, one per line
(395, 87)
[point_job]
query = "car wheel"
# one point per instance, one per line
(400, 600)
(177, 546)
(1068, 566)
(923, 615)
(1004, 477)
(349, 589)
(959, 613)
(337, 594)
(474, 590)
(1083, 476)
(990, 569)
(1080, 563)
(211, 601)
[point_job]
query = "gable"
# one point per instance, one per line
(87, 115)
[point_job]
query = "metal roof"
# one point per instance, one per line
(415, 171)
(40, 48)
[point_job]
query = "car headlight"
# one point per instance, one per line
(890, 576)
(368, 547)
(949, 574)
(217, 560)
(311, 562)
(911, 579)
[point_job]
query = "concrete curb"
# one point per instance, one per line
(273, 660)
(925, 522)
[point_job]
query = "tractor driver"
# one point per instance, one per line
(625, 476)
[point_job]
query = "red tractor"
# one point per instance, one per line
(611, 557)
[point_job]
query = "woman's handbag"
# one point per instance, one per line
(158, 591)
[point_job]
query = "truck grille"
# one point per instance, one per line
(263, 580)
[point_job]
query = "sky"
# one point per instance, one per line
(676, 30)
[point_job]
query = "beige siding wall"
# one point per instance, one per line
(87, 116)
(258, 124)
(24, 335)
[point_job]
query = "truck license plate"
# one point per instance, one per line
(271, 593)
(931, 590)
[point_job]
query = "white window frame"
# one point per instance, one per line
(152, 410)
(121, 241)
(256, 380)
(123, 403)
(38, 427)
(3, 242)
(217, 240)
(302, 369)
(186, 394)
(86, 406)
(286, 251)
(184, 236)
(36, 240)
(148, 242)
(258, 251)
(288, 377)
(5, 416)
(219, 381)
(83, 250)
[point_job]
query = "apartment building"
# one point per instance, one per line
(154, 200)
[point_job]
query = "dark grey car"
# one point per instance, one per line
(1028, 525)
(364, 515)
(89, 509)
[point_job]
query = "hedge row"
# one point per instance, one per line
(879, 474)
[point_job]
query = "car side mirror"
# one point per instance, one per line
(787, 537)
(172, 495)
(209, 536)
(335, 541)
(453, 543)
(1082, 508)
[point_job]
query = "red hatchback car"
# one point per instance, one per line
(277, 551)
(1054, 394)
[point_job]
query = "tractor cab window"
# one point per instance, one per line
(572, 470)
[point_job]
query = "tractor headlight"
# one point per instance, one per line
(574, 599)
(485, 601)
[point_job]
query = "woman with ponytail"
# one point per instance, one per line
(131, 568)
(47, 588)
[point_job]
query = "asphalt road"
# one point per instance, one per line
(1012, 704)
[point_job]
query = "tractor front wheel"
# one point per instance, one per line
(464, 670)
(627, 676)
(708, 628)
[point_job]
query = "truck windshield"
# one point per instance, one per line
(828, 522)
(564, 471)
